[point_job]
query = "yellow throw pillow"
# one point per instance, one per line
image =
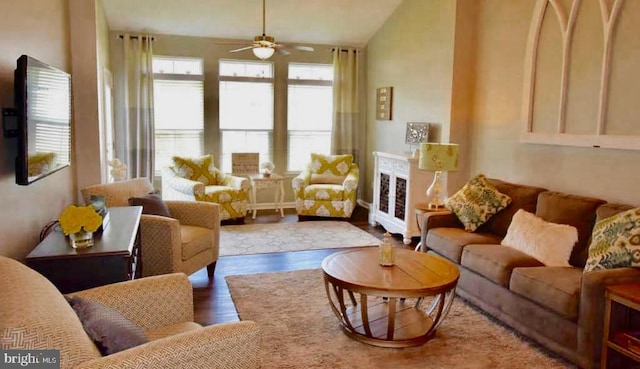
(337, 165)
(199, 169)
(476, 202)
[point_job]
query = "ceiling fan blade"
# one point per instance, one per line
(232, 42)
(304, 48)
(241, 49)
(283, 52)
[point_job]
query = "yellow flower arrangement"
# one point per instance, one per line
(77, 218)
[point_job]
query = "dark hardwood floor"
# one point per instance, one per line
(212, 301)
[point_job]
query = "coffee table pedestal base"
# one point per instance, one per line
(388, 321)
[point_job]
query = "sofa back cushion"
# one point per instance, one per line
(609, 210)
(35, 315)
(522, 197)
(577, 211)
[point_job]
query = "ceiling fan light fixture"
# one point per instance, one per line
(263, 52)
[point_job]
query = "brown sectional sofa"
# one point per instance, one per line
(559, 307)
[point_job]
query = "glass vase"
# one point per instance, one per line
(81, 240)
(386, 252)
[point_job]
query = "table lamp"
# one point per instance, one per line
(438, 158)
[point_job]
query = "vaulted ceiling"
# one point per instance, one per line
(331, 22)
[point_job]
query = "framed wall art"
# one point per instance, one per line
(417, 133)
(384, 96)
(244, 162)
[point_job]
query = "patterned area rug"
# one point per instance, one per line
(280, 237)
(299, 330)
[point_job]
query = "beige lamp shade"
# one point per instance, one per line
(438, 157)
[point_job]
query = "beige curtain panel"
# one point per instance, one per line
(136, 142)
(346, 100)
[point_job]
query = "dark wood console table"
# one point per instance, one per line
(114, 256)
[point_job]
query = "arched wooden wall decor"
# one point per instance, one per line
(567, 14)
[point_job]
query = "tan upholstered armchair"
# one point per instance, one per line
(197, 179)
(36, 316)
(186, 242)
(328, 187)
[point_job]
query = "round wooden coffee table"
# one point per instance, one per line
(397, 306)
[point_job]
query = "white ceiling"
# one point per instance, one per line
(330, 22)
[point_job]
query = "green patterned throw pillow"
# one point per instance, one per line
(615, 242)
(476, 202)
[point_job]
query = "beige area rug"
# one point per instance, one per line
(300, 331)
(280, 237)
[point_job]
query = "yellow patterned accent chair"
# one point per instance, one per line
(186, 242)
(197, 179)
(36, 316)
(328, 187)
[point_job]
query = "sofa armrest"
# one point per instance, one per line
(224, 346)
(592, 301)
(431, 220)
(150, 302)
(181, 185)
(241, 183)
(301, 181)
(160, 243)
(199, 214)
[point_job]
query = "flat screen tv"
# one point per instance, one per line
(43, 114)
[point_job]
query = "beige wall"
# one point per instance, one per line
(463, 86)
(501, 30)
(413, 53)
(103, 72)
(38, 28)
(460, 64)
(84, 71)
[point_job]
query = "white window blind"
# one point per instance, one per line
(246, 109)
(310, 111)
(178, 89)
(49, 112)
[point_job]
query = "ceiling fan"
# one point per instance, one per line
(264, 46)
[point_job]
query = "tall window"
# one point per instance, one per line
(246, 109)
(178, 112)
(310, 110)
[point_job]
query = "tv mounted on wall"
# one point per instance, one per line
(43, 114)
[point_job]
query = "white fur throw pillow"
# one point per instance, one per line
(550, 243)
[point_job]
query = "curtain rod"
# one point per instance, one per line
(136, 37)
